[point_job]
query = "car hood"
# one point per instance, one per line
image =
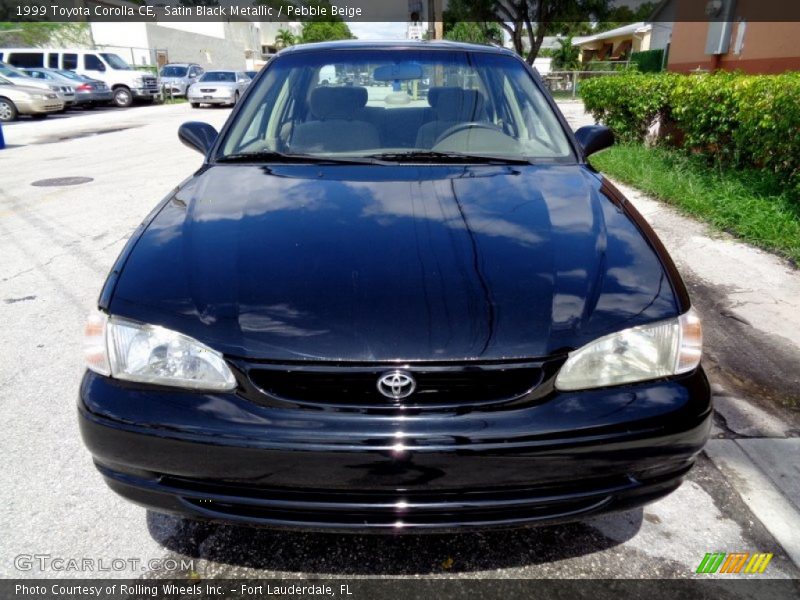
(380, 263)
(30, 82)
(23, 91)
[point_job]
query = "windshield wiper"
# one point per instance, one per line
(431, 156)
(264, 156)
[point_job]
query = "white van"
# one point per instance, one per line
(126, 82)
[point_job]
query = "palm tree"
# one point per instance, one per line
(285, 38)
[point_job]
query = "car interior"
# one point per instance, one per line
(398, 108)
(341, 121)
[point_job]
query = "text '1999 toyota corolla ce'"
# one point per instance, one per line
(395, 297)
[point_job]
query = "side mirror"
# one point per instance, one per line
(594, 138)
(197, 136)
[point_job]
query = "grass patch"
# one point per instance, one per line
(174, 100)
(752, 205)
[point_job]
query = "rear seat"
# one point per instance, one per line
(342, 121)
(339, 124)
(399, 127)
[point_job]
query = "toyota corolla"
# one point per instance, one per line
(407, 304)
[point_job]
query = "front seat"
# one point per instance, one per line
(335, 127)
(452, 106)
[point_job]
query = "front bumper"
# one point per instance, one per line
(39, 106)
(145, 92)
(222, 457)
(176, 88)
(214, 98)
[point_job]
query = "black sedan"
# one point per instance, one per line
(375, 311)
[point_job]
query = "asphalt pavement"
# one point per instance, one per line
(57, 243)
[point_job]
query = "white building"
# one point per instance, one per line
(221, 45)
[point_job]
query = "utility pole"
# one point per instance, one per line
(435, 20)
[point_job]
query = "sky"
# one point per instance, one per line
(378, 31)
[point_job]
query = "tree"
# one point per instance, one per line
(565, 57)
(38, 34)
(476, 33)
(285, 38)
(323, 31)
(623, 15)
(528, 20)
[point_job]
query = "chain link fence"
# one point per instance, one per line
(567, 84)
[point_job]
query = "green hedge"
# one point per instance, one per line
(734, 119)
(627, 102)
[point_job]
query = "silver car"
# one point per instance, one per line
(218, 87)
(16, 99)
(97, 91)
(81, 96)
(177, 77)
(66, 93)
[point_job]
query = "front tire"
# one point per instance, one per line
(236, 98)
(123, 97)
(195, 104)
(8, 110)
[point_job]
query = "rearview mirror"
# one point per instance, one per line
(197, 136)
(594, 138)
(399, 72)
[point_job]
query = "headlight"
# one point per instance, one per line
(636, 354)
(135, 351)
(39, 96)
(54, 88)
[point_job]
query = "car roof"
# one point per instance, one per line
(396, 45)
(180, 65)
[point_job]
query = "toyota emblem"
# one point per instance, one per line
(396, 385)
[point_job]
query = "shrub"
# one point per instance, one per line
(768, 132)
(628, 102)
(731, 118)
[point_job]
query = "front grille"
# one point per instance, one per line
(150, 83)
(208, 90)
(435, 386)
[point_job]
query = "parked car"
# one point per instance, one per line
(177, 77)
(66, 92)
(126, 83)
(97, 91)
(18, 99)
(218, 87)
(80, 97)
(369, 317)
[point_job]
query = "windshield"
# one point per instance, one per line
(70, 75)
(395, 104)
(115, 62)
(218, 76)
(11, 72)
(174, 72)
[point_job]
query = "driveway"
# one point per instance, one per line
(57, 242)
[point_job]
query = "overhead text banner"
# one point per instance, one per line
(360, 10)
